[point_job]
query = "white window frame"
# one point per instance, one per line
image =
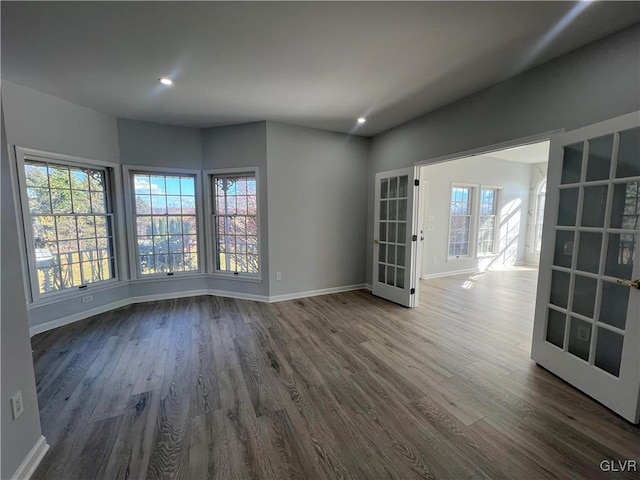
(538, 217)
(134, 263)
(27, 253)
(210, 247)
(471, 252)
(496, 232)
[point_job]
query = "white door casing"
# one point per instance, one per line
(587, 318)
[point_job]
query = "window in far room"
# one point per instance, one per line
(235, 223)
(541, 192)
(487, 221)
(460, 221)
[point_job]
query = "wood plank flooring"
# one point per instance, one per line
(342, 386)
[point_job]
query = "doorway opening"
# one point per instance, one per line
(483, 213)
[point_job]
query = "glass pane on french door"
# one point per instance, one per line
(596, 241)
(392, 235)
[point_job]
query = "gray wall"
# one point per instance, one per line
(317, 208)
(155, 145)
(594, 83)
(37, 120)
(242, 146)
(19, 436)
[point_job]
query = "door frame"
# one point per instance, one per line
(476, 151)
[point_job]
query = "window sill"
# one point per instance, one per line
(460, 259)
(167, 278)
(236, 278)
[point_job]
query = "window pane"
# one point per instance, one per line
(173, 185)
(402, 188)
(159, 204)
(86, 227)
(36, 174)
(187, 186)
(579, 338)
(39, 200)
(572, 163)
(81, 201)
(188, 205)
(61, 201)
(626, 206)
(158, 186)
(98, 204)
(609, 351)
(59, 177)
(628, 164)
(79, 179)
(174, 204)
(599, 161)
(141, 184)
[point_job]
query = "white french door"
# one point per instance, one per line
(587, 322)
(394, 242)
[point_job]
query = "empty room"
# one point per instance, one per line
(357, 240)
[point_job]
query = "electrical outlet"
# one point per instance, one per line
(583, 333)
(278, 276)
(430, 218)
(17, 406)
(429, 227)
(87, 299)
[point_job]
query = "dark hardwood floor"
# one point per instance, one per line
(338, 386)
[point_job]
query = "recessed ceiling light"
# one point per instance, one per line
(166, 81)
(362, 120)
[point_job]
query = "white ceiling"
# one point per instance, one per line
(317, 64)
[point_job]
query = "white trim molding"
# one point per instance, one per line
(32, 460)
(59, 322)
(449, 274)
(315, 293)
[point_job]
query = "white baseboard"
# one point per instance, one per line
(166, 296)
(315, 293)
(368, 286)
(528, 264)
(449, 274)
(43, 327)
(239, 295)
(32, 460)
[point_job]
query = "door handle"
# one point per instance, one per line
(376, 241)
(629, 283)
